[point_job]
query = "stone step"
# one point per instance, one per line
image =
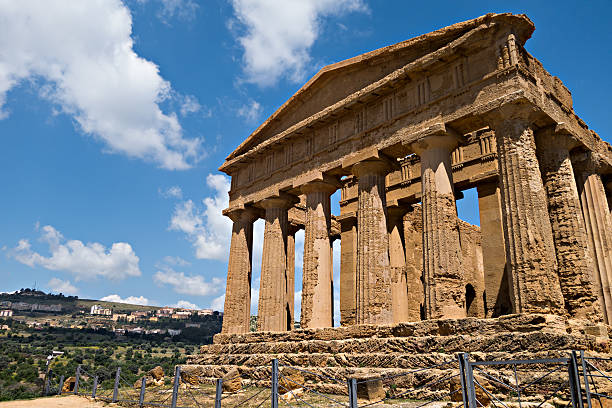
(358, 360)
(470, 326)
(509, 342)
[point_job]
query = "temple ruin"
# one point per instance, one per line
(401, 131)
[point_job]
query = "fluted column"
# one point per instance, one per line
(237, 310)
(574, 263)
(272, 313)
(443, 277)
(397, 263)
(317, 294)
(596, 215)
(534, 284)
(373, 300)
(290, 300)
(348, 269)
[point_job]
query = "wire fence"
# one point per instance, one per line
(576, 381)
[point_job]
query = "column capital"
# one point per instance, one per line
(246, 214)
(396, 213)
(374, 166)
(327, 185)
(438, 136)
(281, 201)
(589, 162)
(518, 113)
(556, 137)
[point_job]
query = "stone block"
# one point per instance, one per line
(232, 381)
(69, 384)
(370, 388)
(157, 373)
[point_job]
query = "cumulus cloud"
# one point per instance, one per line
(80, 55)
(171, 192)
(187, 284)
(62, 286)
(132, 300)
(277, 35)
(183, 304)
(250, 111)
(206, 227)
(84, 261)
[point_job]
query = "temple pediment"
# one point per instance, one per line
(337, 81)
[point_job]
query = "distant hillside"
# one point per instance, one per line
(70, 304)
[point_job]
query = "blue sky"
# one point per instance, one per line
(114, 117)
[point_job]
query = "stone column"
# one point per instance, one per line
(443, 277)
(237, 310)
(317, 294)
(413, 240)
(574, 263)
(397, 263)
(272, 313)
(348, 269)
(534, 284)
(291, 277)
(373, 300)
(596, 215)
(493, 250)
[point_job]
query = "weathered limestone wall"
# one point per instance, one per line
(473, 269)
(348, 271)
(397, 262)
(413, 235)
(493, 250)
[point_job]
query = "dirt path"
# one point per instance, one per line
(69, 401)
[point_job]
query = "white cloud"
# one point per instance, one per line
(190, 104)
(250, 111)
(187, 284)
(171, 192)
(84, 261)
(132, 300)
(62, 286)
(207, 228)
(176, 260)
(278, 34)
(183, 304)
(80, 54)
(218, 303)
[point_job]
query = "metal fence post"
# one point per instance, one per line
(574, 381)
(143, 386)
(469, 382)
(47, 381)
(274, 395)
(175, 389)
(352, 392)
(462, 378)
(95, 387)
(61, 385)
(76, 380)
(116, 387)
(587, 389)
(219, 392)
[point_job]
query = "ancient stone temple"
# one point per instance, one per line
(401, 131)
